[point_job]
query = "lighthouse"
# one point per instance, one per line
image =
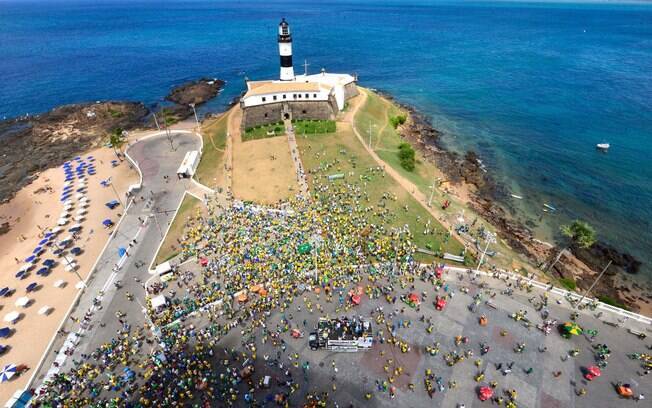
(285, 50)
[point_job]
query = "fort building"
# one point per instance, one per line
(317, 96)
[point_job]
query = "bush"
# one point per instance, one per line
(397, 120)
(406, 156)
(568, 283)
(612, 302)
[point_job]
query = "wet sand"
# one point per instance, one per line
(31, 211)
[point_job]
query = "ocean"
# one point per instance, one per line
(532, 87)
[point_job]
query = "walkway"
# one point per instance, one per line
(294, 151)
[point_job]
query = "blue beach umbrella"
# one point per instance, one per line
(49, 263)
(4, 291)
(20, 275)
(43, 241)
(5, 332)
(30, 259)
(43, 271)
(31, 287)
(74, 229)
(75, 251)
(7, 372)
(107, 222)
(121, 252)
(37, 250)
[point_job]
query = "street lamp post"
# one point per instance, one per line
(156, 121)
(490, 239)
(593, 284)
(192, 105)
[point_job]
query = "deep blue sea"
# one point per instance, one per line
(531, 86)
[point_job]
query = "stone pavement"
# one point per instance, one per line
(294, 151)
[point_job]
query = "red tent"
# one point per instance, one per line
(484, 393)
(203, 261)
(356, 299)
(592, 372)
(414, 298)
(439, 270)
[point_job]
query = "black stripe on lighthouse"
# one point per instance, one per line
(286, 61)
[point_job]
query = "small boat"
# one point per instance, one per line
(517, 196)
(602, 146)
(550, 207)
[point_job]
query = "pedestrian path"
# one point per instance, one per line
(294, 151)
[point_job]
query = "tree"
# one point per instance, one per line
(578, 233)
(406, 156)
(167, 121)
(117, 141)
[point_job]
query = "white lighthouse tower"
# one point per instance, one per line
(285, 50)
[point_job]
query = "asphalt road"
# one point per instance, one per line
(156, 204)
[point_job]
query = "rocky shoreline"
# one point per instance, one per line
(581, 265)
(33, 144)
(190, 93)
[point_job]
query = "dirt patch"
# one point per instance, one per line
(33, 144)
(263, 170)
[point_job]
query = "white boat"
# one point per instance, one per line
(602, 146)
(517, 196)
(550, 207)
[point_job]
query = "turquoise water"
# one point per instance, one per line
(532, 87)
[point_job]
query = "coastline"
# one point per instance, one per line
(481, 193)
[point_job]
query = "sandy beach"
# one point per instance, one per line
(35, 209)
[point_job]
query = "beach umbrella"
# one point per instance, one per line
(31, 287)
(75, 251)
(56, 230)
(570, 328)
(26, 267)
(5, 332)
(79, 195)
(81, 211)
(80, 189)
(23, 301)
(11, 317)
(75, 228)
(31, 259)
(66, 183)
(37, 250)
(62, 221)
(484, 393)
(60, 283)
(48, 234)
(3, 349)
(20, 275)
(64, 215)
(79, 218)
(43, 241)
(43, 271)
(44, 310)
(68, 202)
(592, 372)
(70, 267)
(107, 222)
(121, 252)
(7, 372)
(57, 251)
(49, 263)
(80, 285)
(4, 291)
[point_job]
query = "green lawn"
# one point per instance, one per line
(351, 159)
(170, 247)
(211, 164)
(262, 132)
(302, 127)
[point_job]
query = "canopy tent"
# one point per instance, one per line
(158, 301)
(11, 317)
(7, 372)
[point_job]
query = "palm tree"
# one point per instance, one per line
(117, 140)
(578, 233)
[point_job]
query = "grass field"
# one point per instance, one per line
(211, 167)
(302, 127)
(169, 249)
(351, 159)
(262, 132)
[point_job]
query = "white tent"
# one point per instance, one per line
(158, 301)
